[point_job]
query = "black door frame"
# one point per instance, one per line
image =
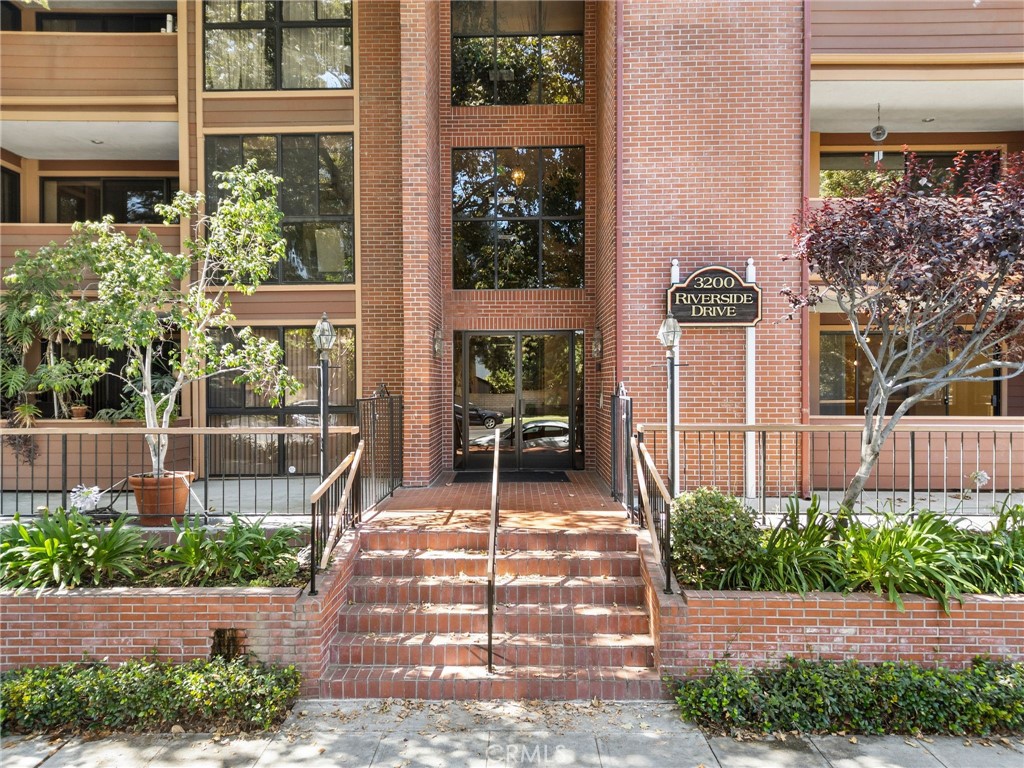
(574, 338)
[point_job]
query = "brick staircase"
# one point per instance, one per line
(570, 621)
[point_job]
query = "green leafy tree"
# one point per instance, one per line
(143, 298)
(928, 270)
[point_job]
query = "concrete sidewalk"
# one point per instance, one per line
(415, 734)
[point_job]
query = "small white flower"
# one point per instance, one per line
(86, 499)
(979, 477)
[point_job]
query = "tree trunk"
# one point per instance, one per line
(869, 454)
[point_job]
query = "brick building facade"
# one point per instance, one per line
(701, 127)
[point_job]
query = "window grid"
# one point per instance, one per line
(212, 193)
(538, 32)
(494, 219)
(274, 24)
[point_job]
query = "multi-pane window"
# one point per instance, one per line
(10, 196)
(129, 201)
(844, 378)
(517, 217)
(316, 197)
(237, 405)
(517, 52)
(268, 45)
(852, 174)
(101, 22)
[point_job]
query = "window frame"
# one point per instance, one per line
(859, 401)
(284, 413)
(105, 18)
(495, 36)
(278, 171)
(11, 204)
(275, 27)
(171, 185)
(540, 218)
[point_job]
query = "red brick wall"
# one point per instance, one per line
(697, 628)
(711, 174)
(281, 626)
(422, 263)
(539, 125)
(380, 194)
(605, 236)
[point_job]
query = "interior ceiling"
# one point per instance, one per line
(851, 106)
(78, 140)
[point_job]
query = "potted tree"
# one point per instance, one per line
(150, 304)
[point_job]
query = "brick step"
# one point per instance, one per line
(520, 650)
(513, 590)
(474, 563)
(558, 618)
(508, 539)
(475, 683)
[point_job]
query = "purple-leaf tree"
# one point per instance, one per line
(928, 270)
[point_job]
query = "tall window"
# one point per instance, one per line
(517, 217)
(129, 201)
(266, 46)
(10, 196)
(316, 196)
(852, 174)
(236, 405)
(844, 378)
(517, 52)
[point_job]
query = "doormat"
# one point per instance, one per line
(512, 477)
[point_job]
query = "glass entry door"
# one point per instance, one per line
(530, 386)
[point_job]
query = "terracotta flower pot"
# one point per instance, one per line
(79, 411)
(161, 499)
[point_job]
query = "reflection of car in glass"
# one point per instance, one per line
(487, 418)
(536, 434)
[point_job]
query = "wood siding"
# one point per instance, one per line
(278, 111)
(916, 26)
(16, 237)
(269, 306)
(44, 64)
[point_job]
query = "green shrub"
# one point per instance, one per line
(148, 695)
(241, 554)
(710, 532)
(850, 697)
(923, 554)
(69, 549)
(795, 556)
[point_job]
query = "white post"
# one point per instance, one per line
(675, 399)
(749, 442)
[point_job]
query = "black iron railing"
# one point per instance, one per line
(492, 548)
(332, 512)
(655, 506)
(89, 465)
(963, 469)
(381, 427)
(622, 464)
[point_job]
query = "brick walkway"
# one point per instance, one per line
(584, 503)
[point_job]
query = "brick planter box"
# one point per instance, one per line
(279, 625)
(696, 628)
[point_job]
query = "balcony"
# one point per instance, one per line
(52, 68)
(31, 237)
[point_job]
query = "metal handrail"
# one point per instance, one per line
(492, 551)
(319, 516)
(953, 425)
(659, 533)
(113, 430)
